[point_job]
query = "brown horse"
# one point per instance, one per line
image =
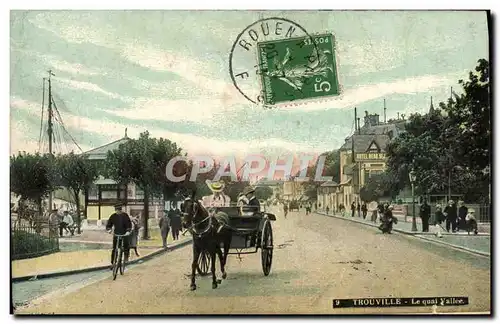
(207, 236)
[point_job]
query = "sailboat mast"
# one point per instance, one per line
(50, 131)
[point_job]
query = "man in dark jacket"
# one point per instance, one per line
(364, 209)
(250, 199)
(122, 225)
(353, 209)
(425, 214)
(450, 212)
(462, 213)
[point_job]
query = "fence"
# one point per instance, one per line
(33, 240)
(482, 212)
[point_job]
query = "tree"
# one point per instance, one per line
(263, 192)
(76, 173)
(311, 191)
(378, 186)
(451, 147)
(31, 178)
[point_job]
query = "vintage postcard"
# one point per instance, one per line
(250, 162)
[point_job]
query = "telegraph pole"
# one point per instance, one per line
(50, 130)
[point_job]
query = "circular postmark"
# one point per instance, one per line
(261, 54)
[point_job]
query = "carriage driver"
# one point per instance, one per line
(249, 198)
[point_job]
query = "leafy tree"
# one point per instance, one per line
(76, 173)
(263, 192)
(311, 191)
(451, 147)
(378, 186)
(31, 178)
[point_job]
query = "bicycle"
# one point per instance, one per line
(118, 263)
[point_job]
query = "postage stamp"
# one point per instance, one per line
(298, 68)
(244, 67)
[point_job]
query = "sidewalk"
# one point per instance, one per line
(87, 250)
(473, 243)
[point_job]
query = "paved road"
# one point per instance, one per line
(316, 259)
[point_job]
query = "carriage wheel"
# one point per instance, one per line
(204, 262)
(266, 247)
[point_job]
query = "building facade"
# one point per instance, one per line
(364, 154)
(329, 195)
(104, 193)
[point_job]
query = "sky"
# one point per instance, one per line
(168, 72)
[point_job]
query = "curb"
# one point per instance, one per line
(98, 268)
(486, 254)
(417, 235)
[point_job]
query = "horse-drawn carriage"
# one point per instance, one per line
(251, 230)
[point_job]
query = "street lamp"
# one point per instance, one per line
(413, 177)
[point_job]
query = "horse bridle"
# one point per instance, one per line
(192, 228)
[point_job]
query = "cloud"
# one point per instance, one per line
(20, 140)
(357, 95)
(72, 68)
(192, 144)
(145, 55)
(82, 85)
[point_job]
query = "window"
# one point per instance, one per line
(93, 192)
(367, 176)
(139, 193)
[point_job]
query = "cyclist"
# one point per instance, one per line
(123, 226)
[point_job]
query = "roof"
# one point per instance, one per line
(101, 151)
(329, 184)
(362, 142)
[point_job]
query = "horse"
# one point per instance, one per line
(207, 236)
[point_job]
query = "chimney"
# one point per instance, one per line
(385, 110)
(355, 118)
(359, 129)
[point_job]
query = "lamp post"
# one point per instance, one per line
(413, 177)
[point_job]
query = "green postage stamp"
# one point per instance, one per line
(298, 68)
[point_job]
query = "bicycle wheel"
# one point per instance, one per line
(115, 264)
(122, 262)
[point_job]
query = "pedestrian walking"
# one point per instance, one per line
(327, 209)
(353, 209)
(134, 236)
(358, 208)
(364, 209)
(425, 214)
(380, 211)
(342, 209)
(439, 218)
(462, 213)
(450, 212)
(175, 222)
(164, 227)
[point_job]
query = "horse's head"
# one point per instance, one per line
(189, 209)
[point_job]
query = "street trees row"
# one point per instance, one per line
(141, 161)
(34, 176)
(448, 148)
